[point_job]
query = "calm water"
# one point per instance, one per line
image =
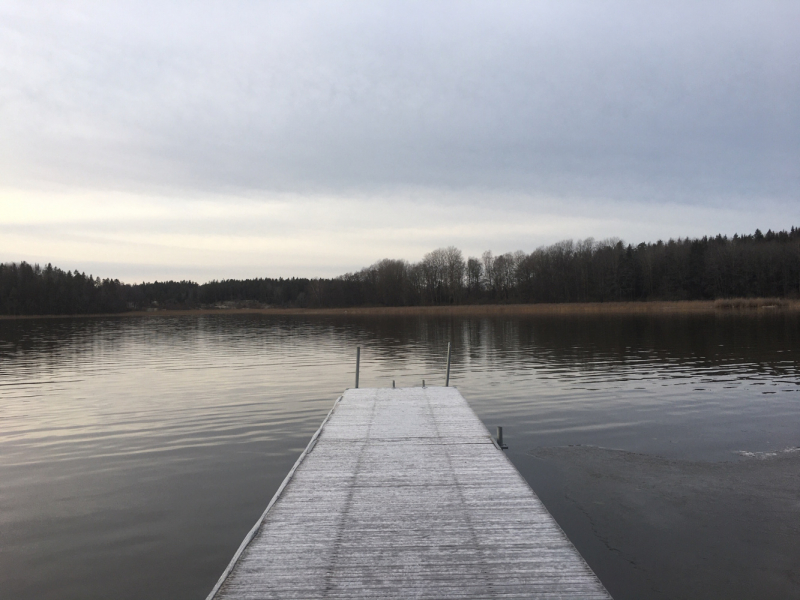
(135, 453)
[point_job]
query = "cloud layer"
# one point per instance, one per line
(505, 110)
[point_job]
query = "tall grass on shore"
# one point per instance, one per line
(754, 303)
(753, 306)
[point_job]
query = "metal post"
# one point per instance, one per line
(392, 383)
(358, 362)
(423, 383)
(500, 438)
(447, 379)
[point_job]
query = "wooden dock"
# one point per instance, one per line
(402, 493)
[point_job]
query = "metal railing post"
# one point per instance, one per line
(500, 443)
(358, 362)
(447, 379)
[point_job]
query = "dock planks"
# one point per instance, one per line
(402, 494)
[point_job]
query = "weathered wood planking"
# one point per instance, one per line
(402, 494)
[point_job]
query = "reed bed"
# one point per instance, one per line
(726, 305)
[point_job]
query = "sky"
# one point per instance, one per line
(206, 140)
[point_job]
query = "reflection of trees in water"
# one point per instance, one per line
(755, 342)
(767, 343)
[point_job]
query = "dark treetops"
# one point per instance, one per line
(757, 265)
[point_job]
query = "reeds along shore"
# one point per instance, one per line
(753, 306)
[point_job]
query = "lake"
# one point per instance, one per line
(136, 453)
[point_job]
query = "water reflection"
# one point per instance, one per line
(136, 452)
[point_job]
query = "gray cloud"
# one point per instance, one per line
(690, 101)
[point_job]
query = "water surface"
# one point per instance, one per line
(135, 453)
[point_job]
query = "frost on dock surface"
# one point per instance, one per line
(402, 494)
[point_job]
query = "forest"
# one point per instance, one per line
(708, 268)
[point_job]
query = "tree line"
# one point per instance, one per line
(27, 289)
(742, 266)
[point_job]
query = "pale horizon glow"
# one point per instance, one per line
(203, 140)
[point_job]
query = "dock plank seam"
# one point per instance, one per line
(471, 526)
(346, 510)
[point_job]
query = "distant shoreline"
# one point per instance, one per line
(728, 306)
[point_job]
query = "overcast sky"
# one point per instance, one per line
(203, 140)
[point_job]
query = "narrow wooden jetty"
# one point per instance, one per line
(402, 493)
